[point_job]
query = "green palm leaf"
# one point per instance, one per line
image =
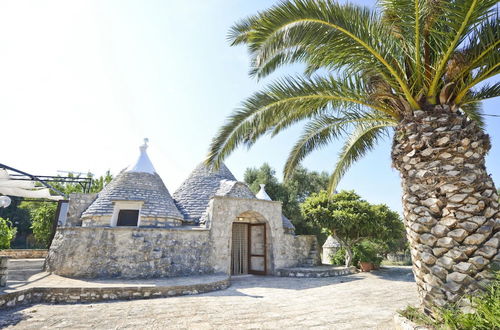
(324, 129)
(363, 139)
(460, 18)
(285, 102)
(327, 35)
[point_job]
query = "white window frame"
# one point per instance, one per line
(125, 205)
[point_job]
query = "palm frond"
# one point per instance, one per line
(328, 35)
(483, 41)
(363, 139)
(487, 71)
(454, 25)
(285, 102)
(474, 111)
(324, 129)
(406, 19)
(471, 104)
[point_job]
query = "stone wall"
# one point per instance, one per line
(78, 203)
(24, 254)
(304, 249)
(283, 250)
(129, 252)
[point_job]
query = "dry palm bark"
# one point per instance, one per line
(450, 203)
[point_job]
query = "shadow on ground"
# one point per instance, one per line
(11, 317)
(395, 273)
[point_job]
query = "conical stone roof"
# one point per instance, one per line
(194, 194)
(139, 182)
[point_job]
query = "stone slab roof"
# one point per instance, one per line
(287, 223)
(331, 243)
(136, 186)
(194, 194)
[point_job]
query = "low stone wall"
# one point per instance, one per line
(87, 295)
(315, 273)
(129, 252)
(24, 254)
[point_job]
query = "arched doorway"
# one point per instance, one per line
(249, 246)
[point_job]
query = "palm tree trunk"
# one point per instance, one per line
(450, 203)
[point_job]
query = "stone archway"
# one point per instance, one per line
(250, 244)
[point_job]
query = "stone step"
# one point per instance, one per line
(22, 269)
(26, 263)
(17, 278)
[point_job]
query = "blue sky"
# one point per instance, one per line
(83, 82)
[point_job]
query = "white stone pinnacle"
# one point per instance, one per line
(262, 193)
(143, 163)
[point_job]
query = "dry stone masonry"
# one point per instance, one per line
(450, 203)
(184, 235)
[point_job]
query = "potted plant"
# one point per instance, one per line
(367, 255)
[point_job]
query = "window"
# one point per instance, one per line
(128, 218)
(126, 213)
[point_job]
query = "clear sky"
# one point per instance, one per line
(83, 82)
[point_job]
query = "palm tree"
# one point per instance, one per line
(416, 68)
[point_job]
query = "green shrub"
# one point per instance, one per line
(338, 258)
(485, 317)
(366, 251)
(7, 233)
(41, 222)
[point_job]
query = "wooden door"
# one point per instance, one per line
(257, 261)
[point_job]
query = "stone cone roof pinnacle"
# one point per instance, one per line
(262, 194)
(143, 163)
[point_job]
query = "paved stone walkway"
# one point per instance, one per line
(358, 301)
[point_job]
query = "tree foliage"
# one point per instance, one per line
(42, 218)
(7, 233)
(291, 193)
(364, 71)
(352, 220)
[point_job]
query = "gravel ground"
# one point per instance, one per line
(358, 301)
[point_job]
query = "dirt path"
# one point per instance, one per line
(359, 301)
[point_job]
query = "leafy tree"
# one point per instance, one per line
(291, 193)
(352, 220)
(415, 68)
(42, 218)
(7, 233)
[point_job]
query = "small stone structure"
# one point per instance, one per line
(134, 228)
(330, 247)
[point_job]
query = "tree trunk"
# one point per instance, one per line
(348, 256)
(450, 204)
